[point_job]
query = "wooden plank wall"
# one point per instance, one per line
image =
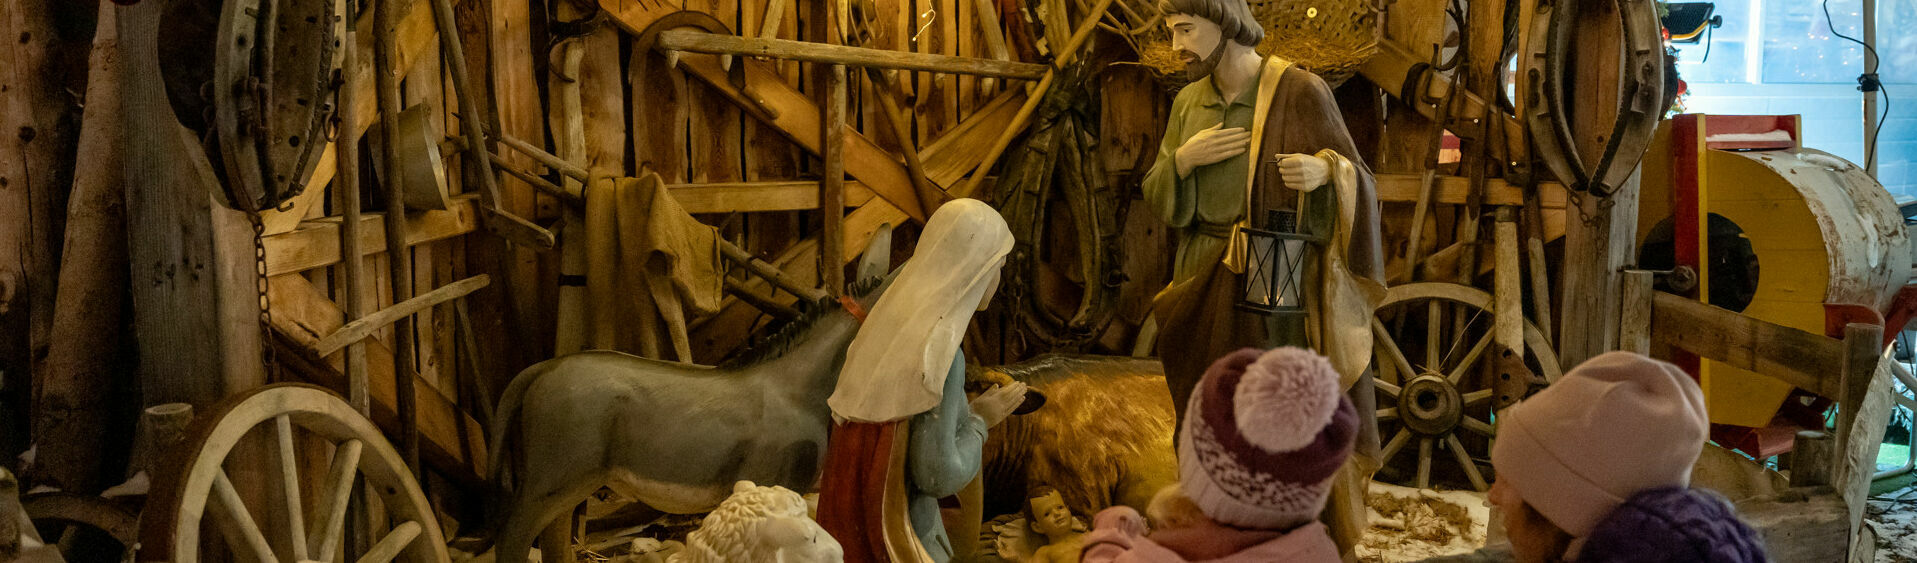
(683, 130)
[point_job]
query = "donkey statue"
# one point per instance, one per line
(674, 436)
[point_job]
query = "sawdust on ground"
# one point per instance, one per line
(1410, 524)
(1894, 514)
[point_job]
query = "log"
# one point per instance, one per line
(1508, 317)
(72, 401)
(161, 429)
(1813, 459)
(768, 272)
(826, 53)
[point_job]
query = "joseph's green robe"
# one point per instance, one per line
(1200, 206)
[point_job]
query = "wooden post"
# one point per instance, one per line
(161, 428)
(399, 264)
(1508, 291)
(1600, 236)
(1863, 344)
(38, 131)
(832, 185)
(1813, 460)
(71, 403)
(1634, 326)
(193, 281)
(567, 121)
(346, 191)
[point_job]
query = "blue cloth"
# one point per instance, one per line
(1673, 524)
(943, 456)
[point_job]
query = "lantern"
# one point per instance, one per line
(1275, 263)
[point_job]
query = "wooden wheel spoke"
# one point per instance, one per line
(1424, 462)
(1477, 351)
(1433, 319)
(290, 488)
(1476, 397)
(1388, 413)
(1477, 426)
(1391, 351)
(242, 533)
(395, 541)
(1391, 448)
(340, 476)
(1464, 461)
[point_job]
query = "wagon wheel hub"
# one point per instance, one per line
(1431, 405)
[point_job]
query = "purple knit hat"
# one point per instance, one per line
(1263, 435)
(1673, 524)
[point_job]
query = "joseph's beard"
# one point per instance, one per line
(1196, 67)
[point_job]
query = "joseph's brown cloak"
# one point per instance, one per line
(1198, 321)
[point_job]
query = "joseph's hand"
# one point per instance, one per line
(1211, 146)
(1302, 172)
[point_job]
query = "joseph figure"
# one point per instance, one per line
(1249, 135)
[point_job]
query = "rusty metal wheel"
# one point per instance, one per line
(198, 491)
(1447, 399)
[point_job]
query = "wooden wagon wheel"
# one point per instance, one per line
(1436, 400)
(196, 487)
(60, 515)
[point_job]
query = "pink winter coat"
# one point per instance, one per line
(1116, 539)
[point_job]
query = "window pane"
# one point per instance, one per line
(1727, 48)
(1897, 42)
(1799, 47)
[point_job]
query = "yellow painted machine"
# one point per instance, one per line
(1745, 218)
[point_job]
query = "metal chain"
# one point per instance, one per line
(269, 362)
(1576, 199)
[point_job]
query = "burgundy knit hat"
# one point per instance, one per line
(1263, 435)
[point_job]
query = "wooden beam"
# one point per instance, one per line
(711, 43)
(1787, 354)
(1800, 525)
(1452, 190)
(316, 243)
(450, 440)
(752, 197)
(362, 327)
(1634, 329)
(832, 188)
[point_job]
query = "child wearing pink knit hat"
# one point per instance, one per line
(1264, 436)
(1596, 468)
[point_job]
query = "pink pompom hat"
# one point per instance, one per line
(1263, 435)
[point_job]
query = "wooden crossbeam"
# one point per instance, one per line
(315, 244)
(1807, 360)
(712, 43)
(362, 327)
(1403, 188)
(751, 197)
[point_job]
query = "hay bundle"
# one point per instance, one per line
(1328, 37)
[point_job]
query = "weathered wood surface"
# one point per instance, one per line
(72, 399)
(194, 288)
(316, 243)
(1794, 356)
(1800, 526)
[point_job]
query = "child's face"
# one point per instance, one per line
(1534, 539)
